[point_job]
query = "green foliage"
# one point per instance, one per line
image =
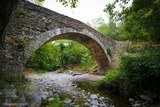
(44, 58)
(86, 61)
(117, 32)
(141, 19)
(56, 102)
(111, 77)
(139, 73)
(60, 54)
(131, 49)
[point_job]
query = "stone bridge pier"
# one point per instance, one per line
(30, 26)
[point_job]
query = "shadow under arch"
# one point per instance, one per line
(98, 50)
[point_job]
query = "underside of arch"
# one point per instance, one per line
(93, 44)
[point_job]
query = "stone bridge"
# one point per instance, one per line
(30, 26)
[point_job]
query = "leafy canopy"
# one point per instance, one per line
(142, 18)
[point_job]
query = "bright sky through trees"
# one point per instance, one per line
(85, 11)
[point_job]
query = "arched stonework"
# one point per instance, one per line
(98, 50)
(31, 26)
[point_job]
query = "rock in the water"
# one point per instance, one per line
(67, 101)
(131, 100)
(75, 74)
(104, 105)
(94, 103)
(50, 99)
(1, 93)
(107, 98)
(93, 96)
(94, 106)
(101, 98)
(89, 100)
(86, 104)
(146, 97)
(136, 105)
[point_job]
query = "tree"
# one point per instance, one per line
(141, 18)
(111, 29)
(71, 3)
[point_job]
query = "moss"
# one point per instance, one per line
(19, 43)
(20, 10)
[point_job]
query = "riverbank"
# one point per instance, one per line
(54, 84)
(72, 89)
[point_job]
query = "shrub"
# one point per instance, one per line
(136, 73)
(111, 78)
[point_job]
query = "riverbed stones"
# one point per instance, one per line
(68, 101)
(50, 99)
(146, 97)
(1, 93)
(101, 98)
(131, 100)
(52, 87)
(94, 103)
(93, 96)
(136, 105)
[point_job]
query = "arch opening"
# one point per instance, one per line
(63, 55)
(98, 50)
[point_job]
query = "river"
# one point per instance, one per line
(67, 89)
(76, 89)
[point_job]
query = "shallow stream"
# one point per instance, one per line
(65, 89)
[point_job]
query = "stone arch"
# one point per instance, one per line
(84, 37)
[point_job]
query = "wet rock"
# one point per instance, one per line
(67, 101)
(86, 104)
(1, 93)
(94, 106)
(131, 100)
(75, 74)
(11, 93)
(107, 98)
(12, 86)
(89, 100)
(93, 96)
(46, 93)
(101, 98)
(136, 105)
(145, 97)
(35, 99)
(22, 99)
(70, 71)
(94, 103)
(50, 99)
(104, 105)
(47, 87)
(88, 93)
(111, 106)
(50, 93)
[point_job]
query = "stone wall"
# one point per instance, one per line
(32, 26)
(6, 14)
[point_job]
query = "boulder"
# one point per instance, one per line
(93, 96)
